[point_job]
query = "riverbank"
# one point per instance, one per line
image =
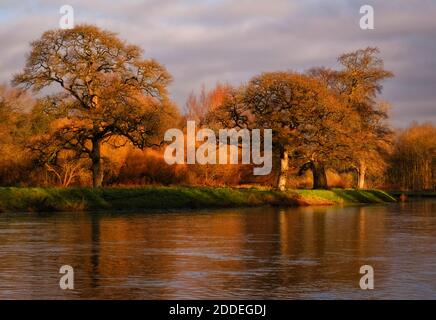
(167, 198)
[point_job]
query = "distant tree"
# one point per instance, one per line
(412, 165)
(199, 106)
(14, 126)
(108, 91)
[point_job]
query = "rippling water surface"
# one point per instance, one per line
(291, 253)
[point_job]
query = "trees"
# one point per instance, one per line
(300, 108)
(413, 162)
(309, 123)
(204, 109)
(358, 83)
(108, 91)
(14, 125)
(199, 106)
(110, 96)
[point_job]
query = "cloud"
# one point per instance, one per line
(230, 41)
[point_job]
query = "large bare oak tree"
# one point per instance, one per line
(108, 91)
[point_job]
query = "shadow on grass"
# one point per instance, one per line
(363, 196)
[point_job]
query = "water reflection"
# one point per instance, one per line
(288, 253)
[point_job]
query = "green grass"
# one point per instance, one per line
(345, 196)
(164, 198)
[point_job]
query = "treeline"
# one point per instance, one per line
(412, 165)
(105, 125)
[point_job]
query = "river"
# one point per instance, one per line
(278, 253)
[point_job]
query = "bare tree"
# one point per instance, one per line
(108, 90)
(359, 83)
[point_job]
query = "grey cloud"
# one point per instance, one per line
(230, 41)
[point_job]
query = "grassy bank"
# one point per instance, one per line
(84, 199)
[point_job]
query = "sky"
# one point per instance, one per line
(203, 42)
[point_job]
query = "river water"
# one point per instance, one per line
(278, 253)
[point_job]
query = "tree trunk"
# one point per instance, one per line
(284, 165)
(97, 167)
(319, 176)
(361, 175)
